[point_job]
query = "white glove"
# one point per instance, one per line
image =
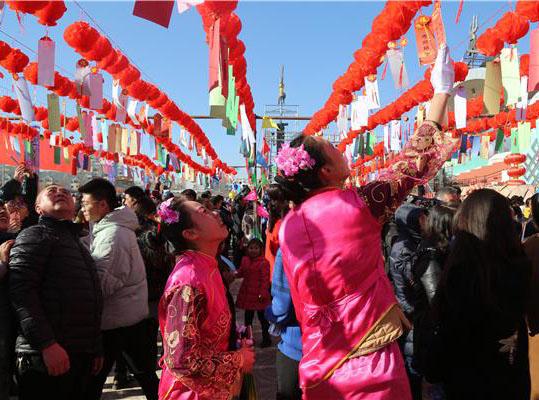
(442, 76)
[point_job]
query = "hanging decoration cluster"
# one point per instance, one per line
(47, 12)
(392, 23)
(230, 27)
(512, 26)
(63, 86)
(419, 93)
(25, 132)
(90, 44)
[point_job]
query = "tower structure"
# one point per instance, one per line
(284, 129)
(472, 57)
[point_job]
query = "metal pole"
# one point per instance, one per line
(255, 179)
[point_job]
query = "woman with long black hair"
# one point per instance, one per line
(480, 305)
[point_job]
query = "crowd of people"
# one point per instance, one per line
(374, 292)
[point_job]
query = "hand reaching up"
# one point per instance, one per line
(442, 76)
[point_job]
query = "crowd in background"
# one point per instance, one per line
(82, 276)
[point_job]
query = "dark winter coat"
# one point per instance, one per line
(427, 272)
(54, 289)
(402, 258)
(7, 331)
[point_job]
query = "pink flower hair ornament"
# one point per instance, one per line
(291, 160)
(167, 214)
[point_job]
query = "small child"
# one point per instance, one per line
(254, 294)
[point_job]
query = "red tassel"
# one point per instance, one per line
(384, 71)
(459, 12)
(19, 19)
(100, 137)
(401, 71)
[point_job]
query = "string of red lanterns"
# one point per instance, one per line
(90, 44)
(419, 93)
(391, 24)
(65, 87)
(512, 26)
(47, 12)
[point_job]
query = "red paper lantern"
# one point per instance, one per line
(15, 61)
(515, 159)
(528, 9)
(138, 90)
(128, 76)
(30, 73)
(26, 6)
(121, 63)
(516, 172)
(81, 36)
(108, 60)
(511, 27)
(101, 49)
(5, 49)
(40, 113)
(51, 13)
(489, 43)
(461, 71)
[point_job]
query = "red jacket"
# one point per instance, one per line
(272, 245)
(254, 292)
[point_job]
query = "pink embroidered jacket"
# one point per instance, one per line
(195, 319)
(331, 248)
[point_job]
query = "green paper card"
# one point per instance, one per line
(53, 112)
(515, 145)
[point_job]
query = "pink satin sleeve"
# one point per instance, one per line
(420, 160)
(188, 356)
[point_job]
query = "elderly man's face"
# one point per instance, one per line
(56, 202)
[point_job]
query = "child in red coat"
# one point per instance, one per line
(254, 294)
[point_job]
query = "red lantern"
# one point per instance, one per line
(81, 36)
(489, 43)
(5, 49)
(25, 6)
(528, 9)
(511, 27)
(30, 73)
(101, 49)
(516, 172)
(51, 13)
(15, 61)
(515, 159)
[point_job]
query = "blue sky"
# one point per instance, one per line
(314, 40)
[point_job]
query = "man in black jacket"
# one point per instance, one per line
(7, 330)
(56, 295)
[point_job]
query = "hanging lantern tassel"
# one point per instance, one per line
(459, 11)
(401, 72)
(384, 71)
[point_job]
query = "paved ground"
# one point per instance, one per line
(264, 369)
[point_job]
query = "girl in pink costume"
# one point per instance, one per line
(194, 314)
(331, 247)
